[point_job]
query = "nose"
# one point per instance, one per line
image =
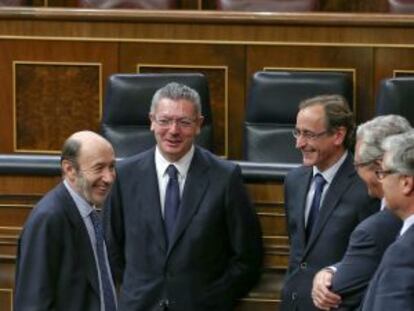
(300, 142)
(108, 175)
(174, 127)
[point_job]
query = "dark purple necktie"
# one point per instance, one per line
(316, 202)
(172, 201)
(108, 294)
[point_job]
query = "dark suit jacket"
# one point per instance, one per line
(55, 267)
(392, 287)
(366, 247)
(215, 254)
(346, 203)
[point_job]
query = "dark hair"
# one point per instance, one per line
(337, 114)
(70, 151)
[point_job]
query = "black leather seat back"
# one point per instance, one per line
(396, 96)
(125, 121)
(272, 108)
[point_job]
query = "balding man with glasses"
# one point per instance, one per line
(324, 199)
(392, 287)
(343, 285)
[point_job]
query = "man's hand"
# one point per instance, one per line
(322, 297)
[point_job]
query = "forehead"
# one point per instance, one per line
(171, 107)
(312, 116)
(96, 154)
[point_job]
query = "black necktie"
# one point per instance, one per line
(316, 202)
(108, 294)
(172, 201)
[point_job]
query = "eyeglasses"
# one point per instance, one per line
(307, 134)
(366, 163)
(167, 122)
(381, 174)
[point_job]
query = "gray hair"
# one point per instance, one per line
(337, 114)
(176, 91)
(372, 133)
(400, 153)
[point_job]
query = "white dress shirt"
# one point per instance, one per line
(161, 165)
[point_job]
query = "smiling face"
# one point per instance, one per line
(175, 124)
(322, 150)
(94, 173)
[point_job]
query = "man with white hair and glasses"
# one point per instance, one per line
(343, 285)
(392, 287)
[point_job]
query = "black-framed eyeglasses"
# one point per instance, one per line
(308, 134)
(381, 174)
(168, 122)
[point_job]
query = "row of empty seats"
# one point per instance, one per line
(270, 114)
(396, 6)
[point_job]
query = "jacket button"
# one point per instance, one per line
(294, 296)
(303, 265)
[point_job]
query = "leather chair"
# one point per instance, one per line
(125, 121)
(268, 5)
(272, 107)
(129, 4)
(395, 96)
(401, 6)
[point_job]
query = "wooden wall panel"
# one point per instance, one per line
(223, 66)
(46, 92)
(6, 298)
(391, 61)
(33, 108)
(303, 57)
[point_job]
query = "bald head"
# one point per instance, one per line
(88, 165)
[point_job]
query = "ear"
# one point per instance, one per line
(199, 123)
(407, 183)
(151, 117)
(69, 170)
(339, 135)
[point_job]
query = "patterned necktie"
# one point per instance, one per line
(314, 208)
(172, 201)
(108, 294)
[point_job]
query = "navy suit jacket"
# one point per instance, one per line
(392, 287)
(55, 267)
(366, 247)
(215, 254)
(345, 205)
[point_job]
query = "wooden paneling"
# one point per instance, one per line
(46, 92)
(49, 98)
(389, 61)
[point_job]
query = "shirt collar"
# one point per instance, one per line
(330, 173)
(83, 206)
(408, 222)
(182, 164)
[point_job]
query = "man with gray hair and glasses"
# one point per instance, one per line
(392, 286)
(343, 285)
(184, 233)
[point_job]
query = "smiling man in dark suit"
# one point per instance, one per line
(392, 287)
(184, 235)
(324, 199)
(343, 285)
(62, 262)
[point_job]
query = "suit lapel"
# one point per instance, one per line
(195, 186)
(302, 192)
(86, 256)
(340, 184)
(147, 181)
